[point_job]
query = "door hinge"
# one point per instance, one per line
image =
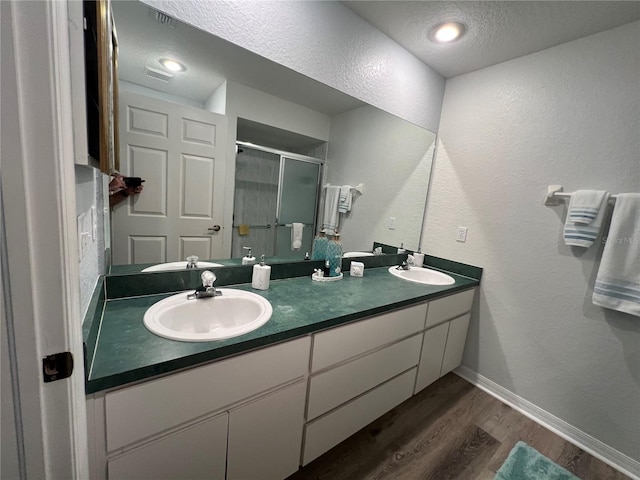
(57, 366)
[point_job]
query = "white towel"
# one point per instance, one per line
(618, 280)
(585, 205)
(344, 202)
(330, 217)
(296, 236)
(581, 235)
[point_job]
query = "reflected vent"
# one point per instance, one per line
(162, 18)
(158, 74)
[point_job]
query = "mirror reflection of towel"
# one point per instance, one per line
(296, 236)
(243, 229)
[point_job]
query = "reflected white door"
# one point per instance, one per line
(179, 152)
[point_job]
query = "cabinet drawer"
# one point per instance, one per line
(449, 307)
(326, 432)
(197, 452)
(345, 342)
(143, 410)
(336, 386)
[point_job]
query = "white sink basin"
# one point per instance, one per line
(163, 267)
(423, 275)
(357, 254)
(233, 313)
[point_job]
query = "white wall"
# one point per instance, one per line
(567, 115)
(327, 42)
(392, 158)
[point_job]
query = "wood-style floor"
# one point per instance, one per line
(450, 430)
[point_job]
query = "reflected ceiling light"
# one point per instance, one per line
(447, 32)
(172, 65)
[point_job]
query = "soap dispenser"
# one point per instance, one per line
(319, 247)
(261, 275)
(401, 249)
(334, 255)
(248, 259)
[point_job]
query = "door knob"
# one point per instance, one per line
(215, 228)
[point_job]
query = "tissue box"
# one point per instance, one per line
(356, 269)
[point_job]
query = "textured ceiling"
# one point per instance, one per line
(496, 31)
(210, 60)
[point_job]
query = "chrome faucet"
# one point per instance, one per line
(207, 289)
(192, 261)
(403, 266)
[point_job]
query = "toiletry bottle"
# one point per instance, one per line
(327, 268)
(401, 249)
(261, 275)
(319, 248)
(248, 259)
(334, 255)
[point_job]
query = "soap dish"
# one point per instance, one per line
(317, 278)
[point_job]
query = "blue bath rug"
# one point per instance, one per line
(526, 463)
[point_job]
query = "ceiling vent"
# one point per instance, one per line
(162, 18)
(158, 74)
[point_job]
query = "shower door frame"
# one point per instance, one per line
(293, 156)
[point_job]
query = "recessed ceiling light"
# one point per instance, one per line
(447, 32)
(172, 65)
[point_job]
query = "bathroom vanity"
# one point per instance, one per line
(333, 358)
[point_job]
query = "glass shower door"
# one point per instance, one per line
(255, 202)
(297, 202)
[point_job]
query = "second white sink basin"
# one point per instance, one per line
(164, 267)
(231, 314)
(357, 254)
(423, 275)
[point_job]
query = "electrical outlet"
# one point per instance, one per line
(80, 229)
(391, 223)
(462, 234)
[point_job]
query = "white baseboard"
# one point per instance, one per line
(586, 442)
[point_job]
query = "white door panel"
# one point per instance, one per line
(178, 151)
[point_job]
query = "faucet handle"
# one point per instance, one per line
(192, 261)
(208, 278)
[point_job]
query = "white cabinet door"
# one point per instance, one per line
(265, 436)
(455, 343)
(433, 347)
(196, 452)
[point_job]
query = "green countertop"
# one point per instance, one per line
(125, 351)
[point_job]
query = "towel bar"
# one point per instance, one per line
(555, 195)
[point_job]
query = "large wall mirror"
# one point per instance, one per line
(236, 149)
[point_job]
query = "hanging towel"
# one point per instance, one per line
(243, 229)
(618, 280)
(330, 217)
(581, 235)
(344, 202)
(296, 236)
(585, 206)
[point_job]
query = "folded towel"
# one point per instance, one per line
(581, 235)
(344, 202)
(243, 229)
(296, 236)
(585, 206)
(618, 280)
(330, 217)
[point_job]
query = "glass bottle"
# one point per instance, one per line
(334, 255)
(319, 248)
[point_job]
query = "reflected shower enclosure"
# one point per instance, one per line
(273, 189)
